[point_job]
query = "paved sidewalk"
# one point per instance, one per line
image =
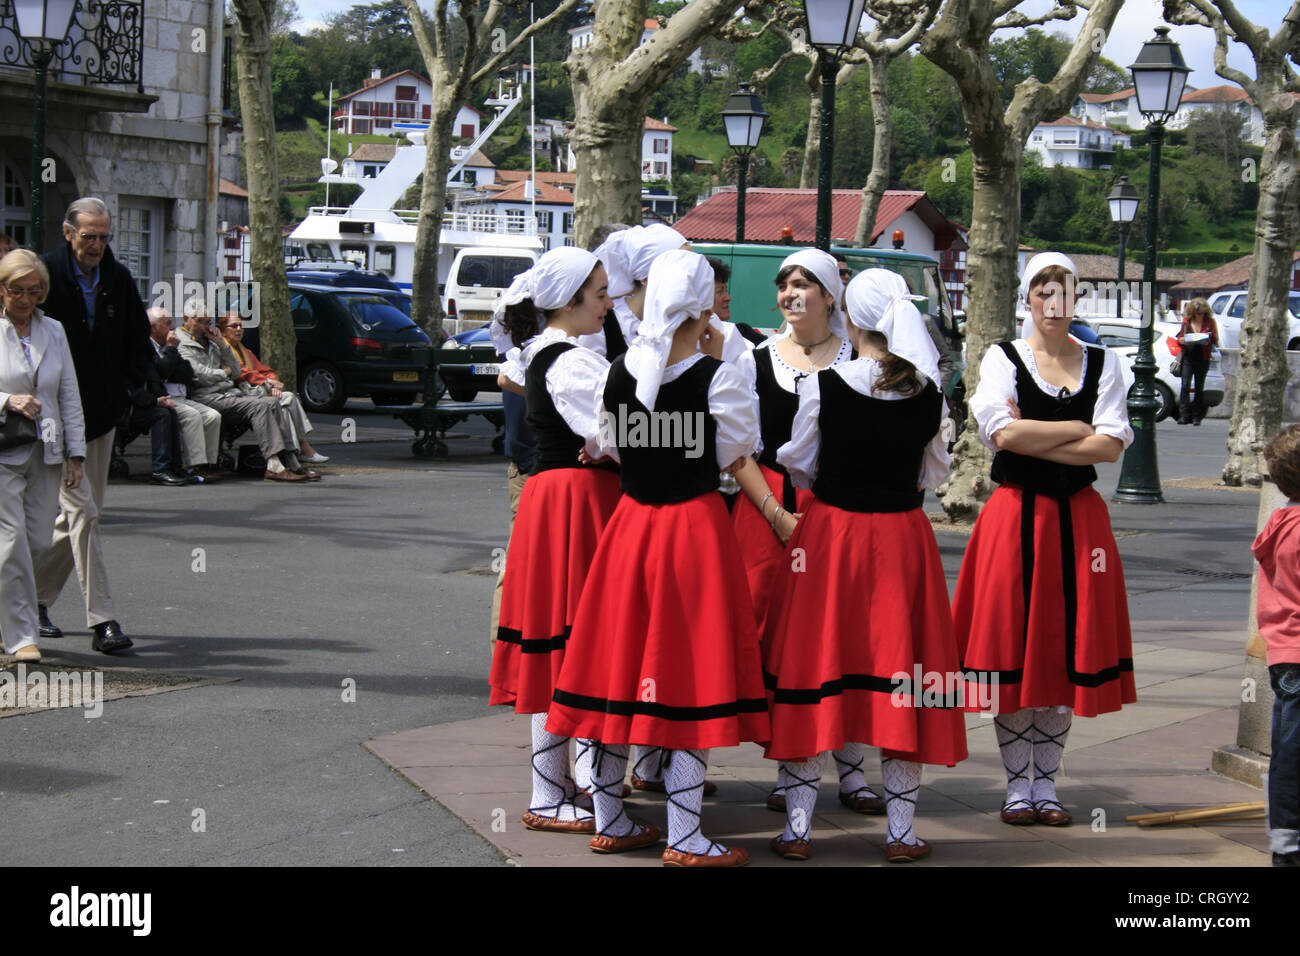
(1152, 756)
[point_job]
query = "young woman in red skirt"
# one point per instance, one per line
(862, 607)
(664, 652)
(815, 339)
(562, 510)
(1041, 614)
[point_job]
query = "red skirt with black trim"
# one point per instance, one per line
(562, 513)
(1041, 611)
(664, 651)
(859, 644)
(761, 549)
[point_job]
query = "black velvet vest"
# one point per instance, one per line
(872, 447)
(659, 465)
(615, 343)
(1049, 477)
(557, 445)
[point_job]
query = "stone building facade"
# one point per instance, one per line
(137, 114)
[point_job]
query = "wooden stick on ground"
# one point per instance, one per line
(1250, 810)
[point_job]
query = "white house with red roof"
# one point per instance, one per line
(550, 199)
(405, 97)
(1109, 109)
(1079, 144)
(1227, 97)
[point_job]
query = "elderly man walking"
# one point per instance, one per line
(215, 370)
(95, 298)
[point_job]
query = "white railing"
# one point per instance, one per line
(462, 221)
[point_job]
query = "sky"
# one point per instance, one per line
(1135, 25)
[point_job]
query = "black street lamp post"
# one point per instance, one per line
(743, 118)
(832, 28)
(1159, 75)
(44, 24)
(1123, 201)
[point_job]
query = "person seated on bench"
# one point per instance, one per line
(153, 411)
(264, 381)
(200, 426)
(215, 368)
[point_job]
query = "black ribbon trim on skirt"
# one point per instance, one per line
(533, 645)
(649, 708)
(866, 682)
(789, 500)
(1070, 597)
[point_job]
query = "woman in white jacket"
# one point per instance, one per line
(37, 381)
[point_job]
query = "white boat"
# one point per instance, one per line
(373, 235)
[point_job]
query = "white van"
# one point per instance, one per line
(479, 276)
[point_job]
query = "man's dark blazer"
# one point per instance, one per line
(113, 360)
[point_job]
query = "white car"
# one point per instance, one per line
(1230, 309)
(1122, 336)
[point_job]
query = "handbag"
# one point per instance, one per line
(1176, 366)
(16, 431)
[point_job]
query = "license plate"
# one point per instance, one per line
(406, 376)
(475, 316)
(485, 369)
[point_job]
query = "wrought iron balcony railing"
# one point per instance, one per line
(105, 44)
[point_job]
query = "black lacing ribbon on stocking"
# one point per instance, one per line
(604, 789)
(561, 785)
(891, 796)
(1022, 773)
(1039, 773)
(844, 773)
(671, 794)
(793, 782)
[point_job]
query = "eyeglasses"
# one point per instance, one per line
(104, 237)
(846, 274)
(14, 292)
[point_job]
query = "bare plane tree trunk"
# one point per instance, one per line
(253, 63)
(958, 44)
(881, 144)
(453, 74)
(612, 82)
(808, 177)
(1262, 374)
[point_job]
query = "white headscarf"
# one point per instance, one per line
(879, 301)
(680, 287)
(613, 254)
(827, 270)
(645, 243)
(550, 283)
(1037, 264)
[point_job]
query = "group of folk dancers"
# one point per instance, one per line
(639, 613)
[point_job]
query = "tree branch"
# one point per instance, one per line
(491, 66)
(1014, 18)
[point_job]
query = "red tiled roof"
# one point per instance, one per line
(651, 24)
(1217, 94)
(656, 126)
(1234, 273)
(374, 153)
(1071, 121)
(555, 179)
(1106, 97)
(546, 193)
(769, 210)
(1094, 268)
(227, 188)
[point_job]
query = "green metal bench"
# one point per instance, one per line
(431, 419)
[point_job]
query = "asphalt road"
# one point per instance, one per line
(374, 576)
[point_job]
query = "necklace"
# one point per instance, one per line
(808, 349)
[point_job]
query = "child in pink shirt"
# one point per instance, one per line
(1277, 549)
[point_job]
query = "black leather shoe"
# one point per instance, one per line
(47, 629)
(170, 478)
(109, 638)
